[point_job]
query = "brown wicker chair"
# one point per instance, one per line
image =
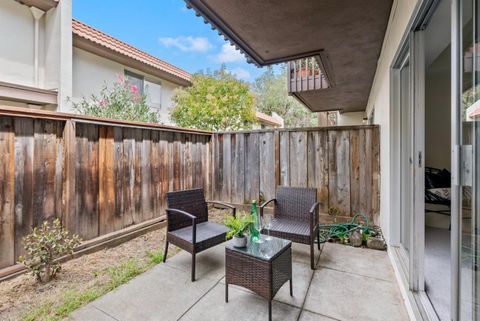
(188, 226)
(295, 216)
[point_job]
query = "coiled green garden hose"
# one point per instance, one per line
(342, 230)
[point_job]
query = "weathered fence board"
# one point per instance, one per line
(97, 178)
(342, 163)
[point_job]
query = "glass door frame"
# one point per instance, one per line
(411, 261)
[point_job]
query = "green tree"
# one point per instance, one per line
(121, 101)
(271, 95)
(216, 102)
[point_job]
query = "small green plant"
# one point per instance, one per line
(124, 272)
(43, 246)
(155, 257)
(343, 237)
(239, 225)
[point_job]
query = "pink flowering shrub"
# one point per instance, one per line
(122, 101)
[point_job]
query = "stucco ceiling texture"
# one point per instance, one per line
(347, 33)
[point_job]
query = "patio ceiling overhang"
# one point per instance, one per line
(347, 36)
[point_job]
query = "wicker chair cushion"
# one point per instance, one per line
(208, 234)
(290, 226)
(294, 203)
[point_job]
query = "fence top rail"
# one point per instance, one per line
(297, 129)
(52, 115)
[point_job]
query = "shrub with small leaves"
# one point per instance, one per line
(45, 244)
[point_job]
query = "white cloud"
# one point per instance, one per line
(242, 74)
(229, 54)
(187, 44)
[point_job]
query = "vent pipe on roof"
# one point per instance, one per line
(37, 14)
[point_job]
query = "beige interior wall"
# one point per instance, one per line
(437, 112)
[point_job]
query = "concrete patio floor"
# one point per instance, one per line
(348, 284)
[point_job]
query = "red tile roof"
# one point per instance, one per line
(91, 34)
(264, 118)
(475, 113)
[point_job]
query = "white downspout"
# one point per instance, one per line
(37, 14)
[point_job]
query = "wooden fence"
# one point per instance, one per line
(341, 162)
(101, 176)
(96, 177)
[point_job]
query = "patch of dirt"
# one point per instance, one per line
(24, 293)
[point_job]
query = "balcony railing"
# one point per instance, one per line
(305, 75)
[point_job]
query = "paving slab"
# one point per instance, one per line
(242, 306)
(310, 316)
(347, 296)
(301, 253)
(302, 275)
(367, 262)
(90, 314)
(163, 293)
(209, 263)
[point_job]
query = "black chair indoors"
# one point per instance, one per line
(188, 226)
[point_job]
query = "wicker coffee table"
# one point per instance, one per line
(262, 268)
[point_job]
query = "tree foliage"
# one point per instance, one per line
(216, 102)
(272, 96)
(122, 101)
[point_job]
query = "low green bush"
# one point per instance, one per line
(43, 246)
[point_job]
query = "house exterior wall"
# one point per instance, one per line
(17, 48)
(350, 119)
(92, 72)
(379, 99)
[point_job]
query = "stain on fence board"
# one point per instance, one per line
(238, 168)
(87, 181)
(317, 169)
(23, 182)
(298, 159)
(119, 175)
(252, 168)
(106, 193)
(285, 158)
(7, 224)
(339, 170)
(226, 167)
(267, 166)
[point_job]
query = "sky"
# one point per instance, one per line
(168, 30)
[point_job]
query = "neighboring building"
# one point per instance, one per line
(266, 121)
(411, 67)
(52, 60)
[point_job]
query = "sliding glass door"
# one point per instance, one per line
(405, 155)
(467, 138)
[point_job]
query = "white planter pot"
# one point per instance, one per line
(239, 241)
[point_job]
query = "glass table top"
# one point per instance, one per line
(267, 250)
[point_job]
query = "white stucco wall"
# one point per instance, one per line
(379, 99)
(350, 119)
(17, 43)
(91, 72)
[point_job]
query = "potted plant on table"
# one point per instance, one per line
(238, 227)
